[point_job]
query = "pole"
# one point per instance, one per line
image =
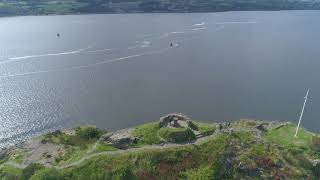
(301, 114)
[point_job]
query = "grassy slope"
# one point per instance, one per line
(239, 155)
(148, 133)
(284, 136)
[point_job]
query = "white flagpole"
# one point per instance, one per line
(304, 104)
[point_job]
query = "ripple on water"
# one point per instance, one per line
(28, 111)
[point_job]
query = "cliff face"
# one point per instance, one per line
(246, 149)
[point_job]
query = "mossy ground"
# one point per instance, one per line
(152, 133)
(205, 128)
(82, 136)
(285, 136)
(104, 147)
(177, 135)
(148, 133)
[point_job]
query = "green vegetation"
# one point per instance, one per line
(148, 164)
(10, 173)
(43, 7)
(285, 136)
(89, 133)
(151, 133)
(30, 170)
(177, 135)
(16, 157)
(205, 128)
(73, 154)
(103, 147)
(244, 153)
(47, 174)
(82, 136)
(315, 143)
(148, 133)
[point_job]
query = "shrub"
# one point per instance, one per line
(47, 174)
(30, 170)
(88, 133)
(201, 173)
(315, 143)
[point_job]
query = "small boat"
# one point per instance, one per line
(58, 34)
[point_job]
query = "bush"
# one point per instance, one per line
(88, 133)
(30, 170)
(177, 135)
(315, 143)
(47, 174)
(201, 173)
(10, 173)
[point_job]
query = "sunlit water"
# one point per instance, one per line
(117, 71)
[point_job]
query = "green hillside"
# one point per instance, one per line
(244, 149)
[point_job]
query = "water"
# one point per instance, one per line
(117, 71)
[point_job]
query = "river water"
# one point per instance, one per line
(117, 71)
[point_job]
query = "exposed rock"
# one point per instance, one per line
(120, 139)
(175, 120)
(261, 127)
(231, 131)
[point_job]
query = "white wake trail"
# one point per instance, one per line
(237, 22)
(89, 65)
(49, 54)
(199, 24)
(83, 50)
(98, 50)
(197, 29)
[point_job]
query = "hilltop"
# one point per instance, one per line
(44, 7)
(175, 147)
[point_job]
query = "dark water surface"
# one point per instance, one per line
(116, 71)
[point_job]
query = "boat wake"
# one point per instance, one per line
(109, 61)
(83, 50)
(199, 24)
(237, 22)
(197, 29)
(50, 54)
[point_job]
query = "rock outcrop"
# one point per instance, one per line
(176, 120)
(120, 139)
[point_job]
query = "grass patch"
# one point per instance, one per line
(47, 174)
(104, 147)
(83, 135)
(177, 135)
(285, 136)
(148, 133)
(205, 128)
(30, 170)
(18, 158)
(10, 173)
(201, 173)
(172, 163)
(73, 154)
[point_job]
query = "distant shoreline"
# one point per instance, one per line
(168, 12)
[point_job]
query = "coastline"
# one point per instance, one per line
(156, 12)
